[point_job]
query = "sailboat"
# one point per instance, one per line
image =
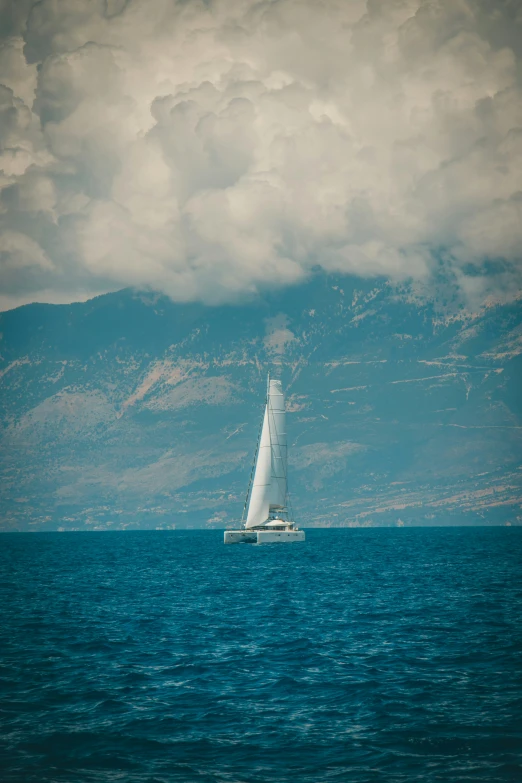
(268, 518)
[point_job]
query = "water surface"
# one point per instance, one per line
(361, 655)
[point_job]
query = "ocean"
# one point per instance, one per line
(362, 655)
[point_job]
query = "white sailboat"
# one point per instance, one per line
(268, 518)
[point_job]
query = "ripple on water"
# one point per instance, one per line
(361, 655)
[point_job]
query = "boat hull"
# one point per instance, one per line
(240, 537)
(264, 536)
(280, 536)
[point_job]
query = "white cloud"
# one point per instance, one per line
(20, 251)
(209, 149)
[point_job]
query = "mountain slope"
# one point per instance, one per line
(130, 410)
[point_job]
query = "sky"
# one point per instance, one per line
(211, 149)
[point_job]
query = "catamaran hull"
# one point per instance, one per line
(279, 536)
(263, 536)
(240, 537)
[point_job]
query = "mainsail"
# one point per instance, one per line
(269, 488)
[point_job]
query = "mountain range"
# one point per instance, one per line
(130, 410)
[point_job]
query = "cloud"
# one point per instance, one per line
(212, 149)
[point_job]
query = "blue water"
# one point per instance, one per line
(361, 655)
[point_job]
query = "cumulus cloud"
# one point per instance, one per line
(211, 149)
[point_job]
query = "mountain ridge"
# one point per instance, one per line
(132, 411)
